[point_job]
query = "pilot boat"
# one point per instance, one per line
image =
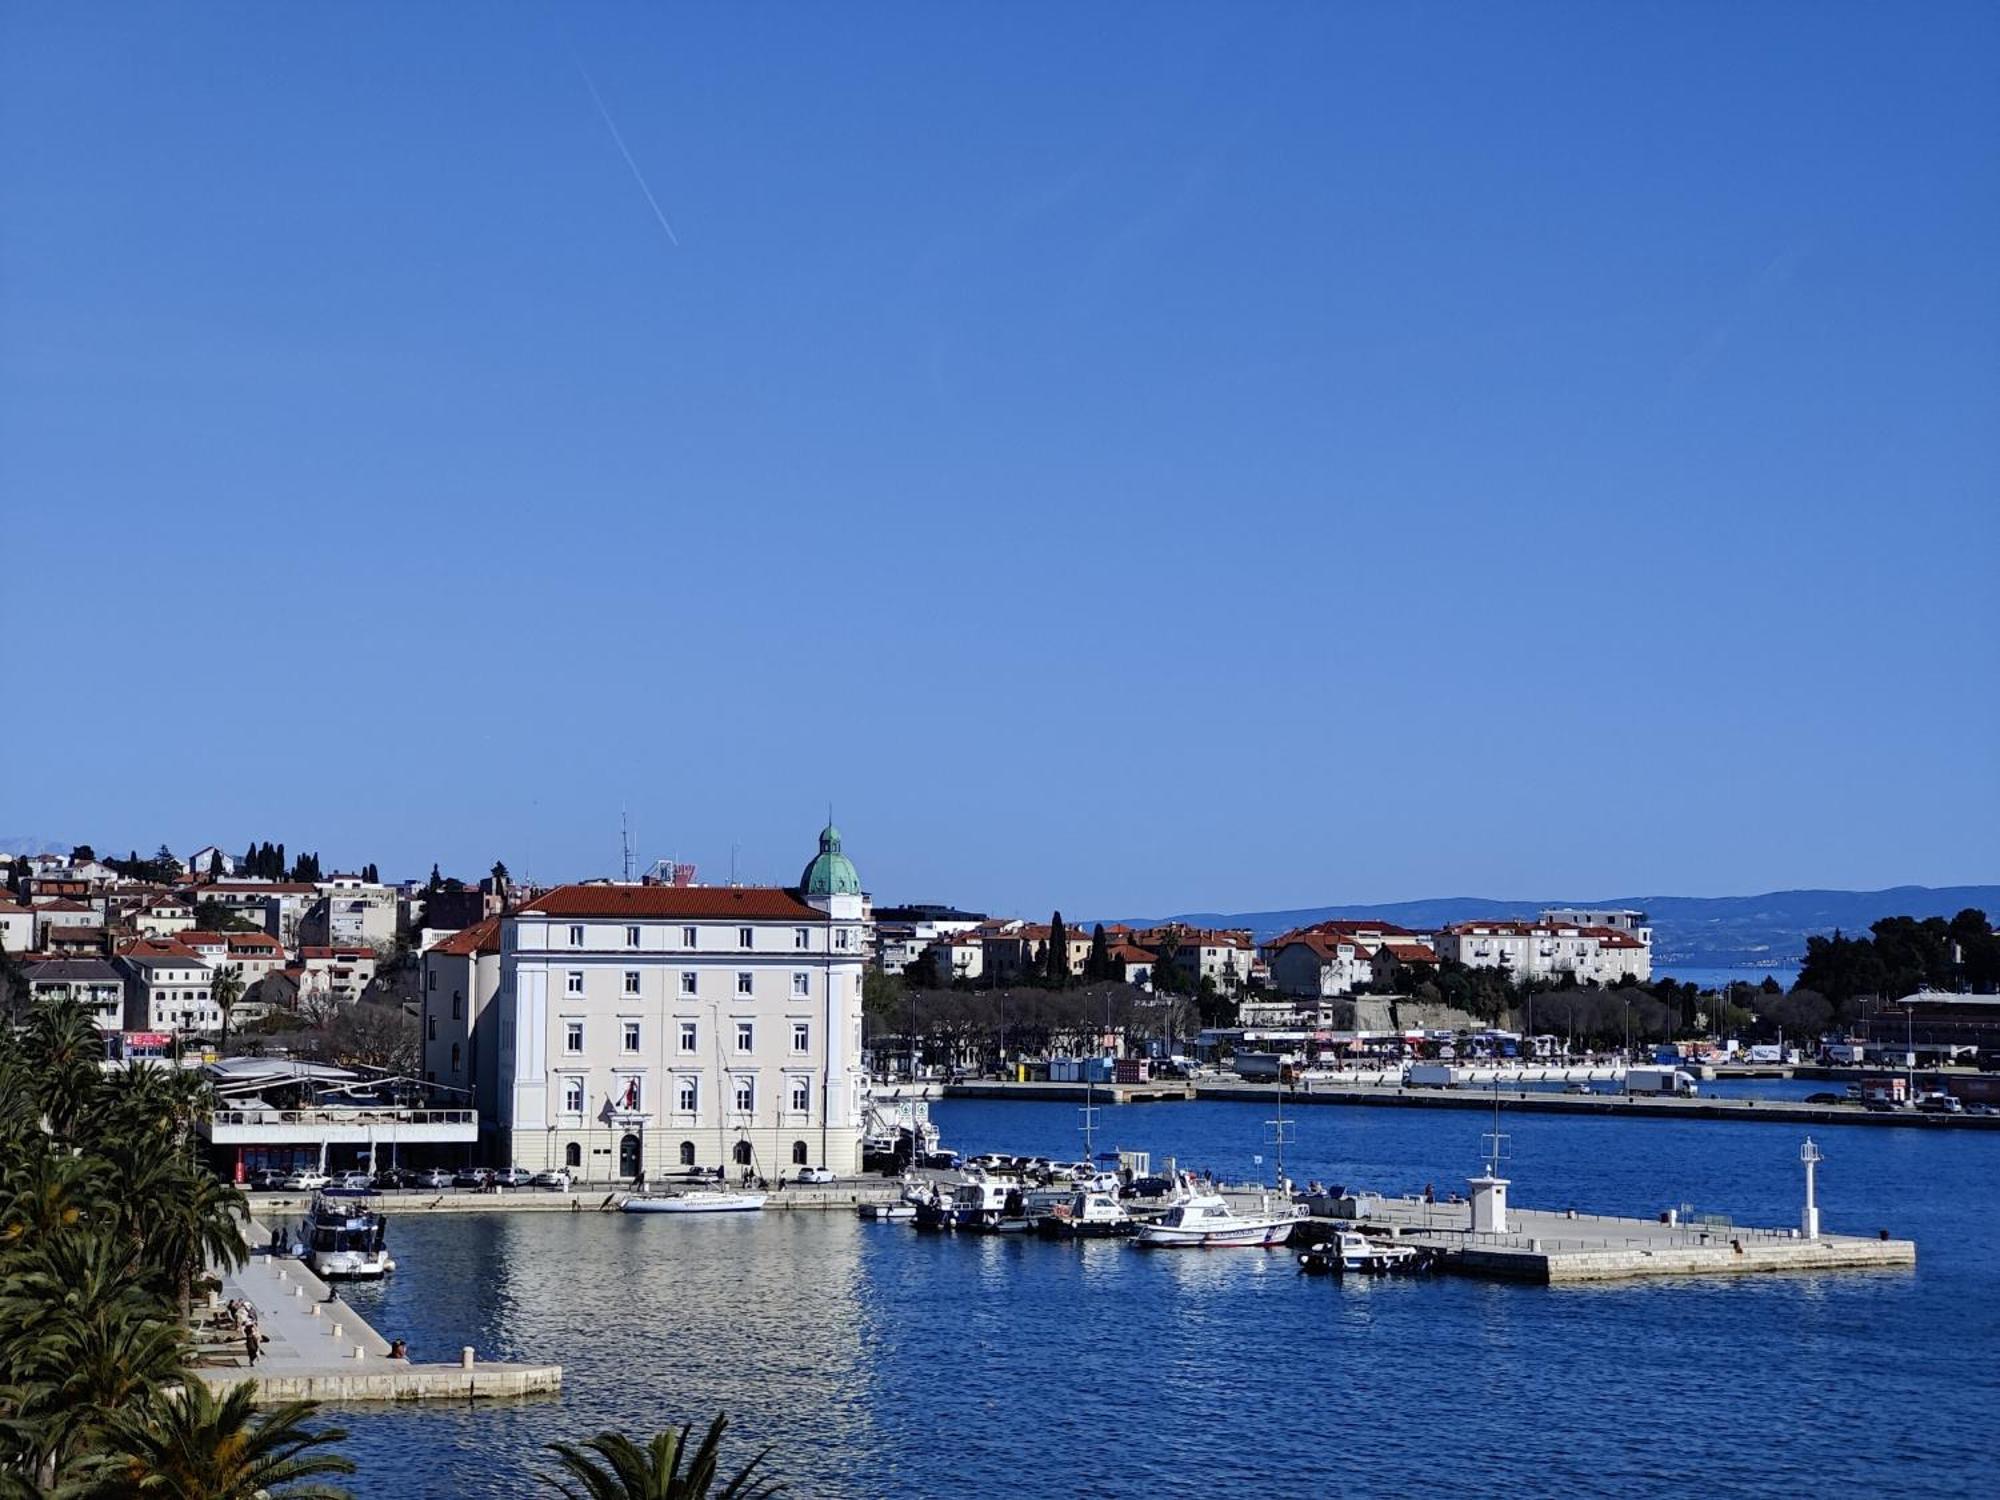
(1206, 1221)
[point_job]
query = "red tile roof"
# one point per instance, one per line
(722, 903)
(1410, 953)
(480, 937)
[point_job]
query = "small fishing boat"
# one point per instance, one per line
(697, 1201)
(882, 1211)
(339, 1240)
(1354, 1254)
(1087, 1216)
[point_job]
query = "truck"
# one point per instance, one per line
(1431, 1076)
(1655, 1082)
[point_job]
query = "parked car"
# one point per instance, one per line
(1825, 1098)
(436, 1177)
(812, 1175)
(472, 1177)
(555, 1177)
(395, 1177)
(352, 1182)
(264, 1179)
(513, 1177)
(1881, 1107)
(303, 1182)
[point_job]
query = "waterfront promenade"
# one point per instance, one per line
(1547, 1101)
(320, 1348)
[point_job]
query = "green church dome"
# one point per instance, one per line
(831, 873)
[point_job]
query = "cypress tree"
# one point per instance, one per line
(1099, 966)
(1057, 954)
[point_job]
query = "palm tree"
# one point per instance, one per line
(228, 992)
(201, 1447)
(622, 1470)
(67, 1049)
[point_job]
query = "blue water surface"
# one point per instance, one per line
(876, 1361)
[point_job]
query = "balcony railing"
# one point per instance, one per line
(358, 1115)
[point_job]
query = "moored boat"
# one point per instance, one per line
(1355, 1254)
(1088, 1215)
(697, 1201)
(338, 1240)
(1206, 1221)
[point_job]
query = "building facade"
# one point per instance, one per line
(648, 1029)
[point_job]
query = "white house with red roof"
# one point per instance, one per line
(644, 1030)
(1542, 950)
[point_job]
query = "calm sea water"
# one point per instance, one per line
(876, 1361)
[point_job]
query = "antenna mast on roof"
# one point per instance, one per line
(625, 841)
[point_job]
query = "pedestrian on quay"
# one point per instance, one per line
(398, 1349)
(251, 1342)
(1430, 1193)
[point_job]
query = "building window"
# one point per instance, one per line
(574, 984)
(454, 1059)
(573, 1096)
(687, 937)
(572, 1155)
(742, 1153)
(688, 1036)
(801, 1096)
(743, 983)
(457, 1006)
(631, 981)
(631, 937)
(801, 937)
(433, 1022)
(687, 982)
(746, 1096)
(572, 1036)
(576, 937)
(744, 936)
(746, 1036)
(631, 1036)
(431, 979)
(840, 938)
(631, 1093)
(690, 1095)
(801, 1037)
(687, 1153)
(798, 1153)
(802, 984)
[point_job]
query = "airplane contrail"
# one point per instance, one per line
(624, 151)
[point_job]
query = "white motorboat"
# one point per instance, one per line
(337, 1240)
(697, 1201)
(1087, 1215)
(880, 1211)
(1355, 1254)
(1206, 1221)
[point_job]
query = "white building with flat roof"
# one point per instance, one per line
(646, 1029)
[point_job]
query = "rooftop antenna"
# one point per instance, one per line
(625, 841)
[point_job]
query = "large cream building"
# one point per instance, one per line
(651, 1028)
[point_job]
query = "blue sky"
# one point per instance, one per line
(1125, 459)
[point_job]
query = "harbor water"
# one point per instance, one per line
(876, 1361)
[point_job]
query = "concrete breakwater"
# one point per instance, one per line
(318, 1348)
(1779, 1111)
(1552, 1248)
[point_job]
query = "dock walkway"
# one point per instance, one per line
(321, 1349)
(1569, 1247)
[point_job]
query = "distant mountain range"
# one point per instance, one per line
(1767, 931)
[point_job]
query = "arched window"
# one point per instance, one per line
(798, 1153)
(742, 1153)
(572, 1155)
(687, 1153)
(454, 1057)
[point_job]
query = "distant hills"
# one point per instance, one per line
(1767, 931)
